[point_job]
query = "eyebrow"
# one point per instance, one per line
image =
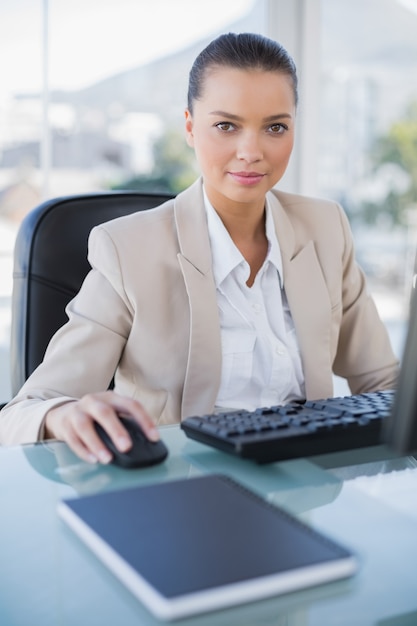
(270, 118)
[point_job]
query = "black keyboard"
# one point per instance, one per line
(297, 429)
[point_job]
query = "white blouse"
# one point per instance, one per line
(261, 363)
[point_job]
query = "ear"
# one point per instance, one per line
(189, 136)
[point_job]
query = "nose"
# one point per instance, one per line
(249, 148)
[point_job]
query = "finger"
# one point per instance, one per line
(61, 424)
(94, 409)
(84, 453)
(133, 408)
(84, 440)
(73, 424)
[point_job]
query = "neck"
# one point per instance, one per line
(242, 220)
(247, 230)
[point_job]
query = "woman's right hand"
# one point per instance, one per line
(73, 422)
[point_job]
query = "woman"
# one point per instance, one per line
(232, 295)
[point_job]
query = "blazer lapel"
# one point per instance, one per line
(309, 303)
(305, 288)
(202, 378)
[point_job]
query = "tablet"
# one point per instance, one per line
(189, 546)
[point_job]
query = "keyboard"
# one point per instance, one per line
(295, 430)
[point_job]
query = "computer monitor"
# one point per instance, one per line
(400, 431)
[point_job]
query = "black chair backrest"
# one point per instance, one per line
(50, 263)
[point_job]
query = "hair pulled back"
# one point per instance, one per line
(245, 51)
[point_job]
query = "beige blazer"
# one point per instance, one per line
(147, 311)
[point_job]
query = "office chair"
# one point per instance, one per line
(50, 263)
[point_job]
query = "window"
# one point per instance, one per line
(92, 98)
(367, 149)
(88, 89)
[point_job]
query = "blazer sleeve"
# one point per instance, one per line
(83, 355)
(364, 353)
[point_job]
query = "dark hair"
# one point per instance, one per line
(241, 51)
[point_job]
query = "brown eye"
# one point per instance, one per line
(278, 129)
(225, 126)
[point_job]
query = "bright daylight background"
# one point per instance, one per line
(88, 40)
(93, 98)
(91, 39)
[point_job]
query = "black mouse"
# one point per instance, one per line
(143, 453)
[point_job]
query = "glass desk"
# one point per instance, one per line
(365, 499)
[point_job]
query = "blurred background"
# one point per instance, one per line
(92, 95)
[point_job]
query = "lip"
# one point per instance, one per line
(247, 178)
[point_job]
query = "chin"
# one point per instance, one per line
(248, 194)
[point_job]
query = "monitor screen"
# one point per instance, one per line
(400, 431)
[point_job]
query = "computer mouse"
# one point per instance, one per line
(143, 453)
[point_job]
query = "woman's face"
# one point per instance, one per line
(242, 131)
